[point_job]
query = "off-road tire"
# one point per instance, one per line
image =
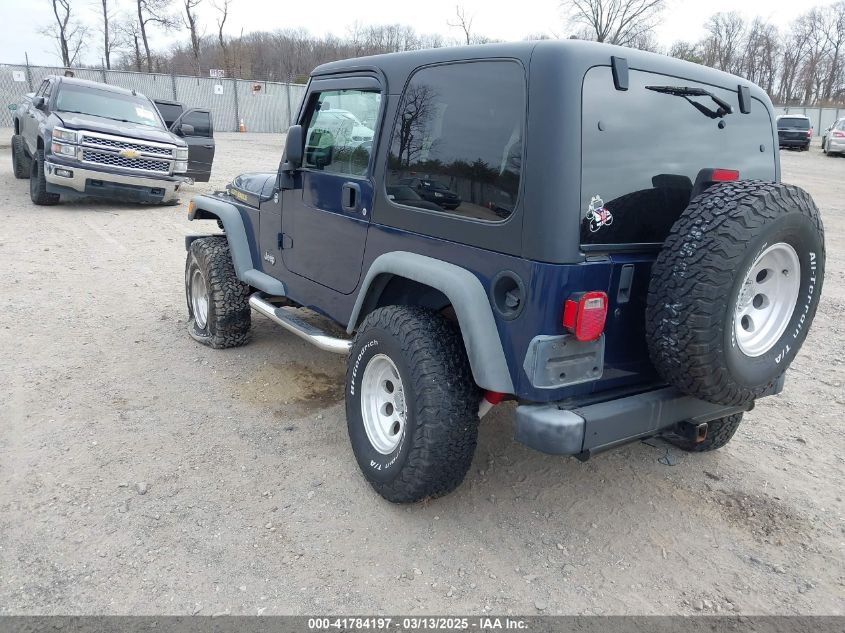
(38, 182)
(228, 320)
(696, 283)
(20, 163)
(719, 433)
(441, 402)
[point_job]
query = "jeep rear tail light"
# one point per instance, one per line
(724, 175)
(584, 314)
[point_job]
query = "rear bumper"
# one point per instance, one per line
(836, 145)
(590, 429)
(89, 182)
(792, 142)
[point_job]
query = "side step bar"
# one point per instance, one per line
(292, 323)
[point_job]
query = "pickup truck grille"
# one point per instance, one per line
(144, 156)
(113, 159)
(109, 143)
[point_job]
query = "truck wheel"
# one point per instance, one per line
(19, 161)
(218, 302)
(38, 183)
(735, 289)
(719, 433)
(411, 404)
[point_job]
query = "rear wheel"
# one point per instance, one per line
(218, 302)
(20, 163)
(411, 404)
(735, 289)
(38, 182)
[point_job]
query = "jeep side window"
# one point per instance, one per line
(339, 136)
(457, 140)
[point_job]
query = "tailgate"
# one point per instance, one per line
(626, 351)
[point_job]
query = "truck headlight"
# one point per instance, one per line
(180, 166)
(63, 134)
(181, 153)
(60, 149)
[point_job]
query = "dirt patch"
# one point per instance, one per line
(766, 518)
(281, 385)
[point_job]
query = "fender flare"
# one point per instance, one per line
(206, 208)
(469, 300)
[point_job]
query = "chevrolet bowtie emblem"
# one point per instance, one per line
(129, 153)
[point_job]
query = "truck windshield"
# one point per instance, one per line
(107, 104)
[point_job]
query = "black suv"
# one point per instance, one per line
(794, 131)
(611, 283)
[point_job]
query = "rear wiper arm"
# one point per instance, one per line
(686, 92)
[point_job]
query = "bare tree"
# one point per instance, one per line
(221, 23)
(153, 12)
(623, 22)
(192, 24)
(723, 47)
(68, 32)
(463, 22)
(111, 31)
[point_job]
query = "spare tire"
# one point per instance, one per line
(734, 290)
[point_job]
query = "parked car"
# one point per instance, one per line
(635, 288)
(833, 138)
(794, 131)
(403, 194)
(433, 191)
(76, 137)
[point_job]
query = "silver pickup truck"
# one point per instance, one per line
(82, 138)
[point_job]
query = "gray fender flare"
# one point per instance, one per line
(468, 298)
(206, 207)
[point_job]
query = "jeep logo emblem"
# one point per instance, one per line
(130, 153)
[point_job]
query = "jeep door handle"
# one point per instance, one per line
(350, 196)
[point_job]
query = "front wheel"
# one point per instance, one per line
(411, 404)
(218, 302)
(20, 165)
(38, 182)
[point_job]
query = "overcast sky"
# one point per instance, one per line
(21, 19)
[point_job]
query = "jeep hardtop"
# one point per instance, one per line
(564, 250)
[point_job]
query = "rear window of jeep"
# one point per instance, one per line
(457, 140)
(644, 147)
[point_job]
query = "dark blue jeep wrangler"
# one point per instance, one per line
(597, 233)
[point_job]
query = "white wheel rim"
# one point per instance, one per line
(199, 299)
(383, 404)
(767, 299)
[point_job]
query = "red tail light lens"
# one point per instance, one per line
(838, 134)
(810, 133)
(724, 175)
(584, 315)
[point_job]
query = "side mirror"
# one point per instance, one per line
(186, 129)
(294, 145)
(38, 102)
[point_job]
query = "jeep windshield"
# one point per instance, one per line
(107, 104)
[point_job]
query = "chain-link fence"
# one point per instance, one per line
(264, 106)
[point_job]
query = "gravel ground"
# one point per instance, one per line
(141, 473)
